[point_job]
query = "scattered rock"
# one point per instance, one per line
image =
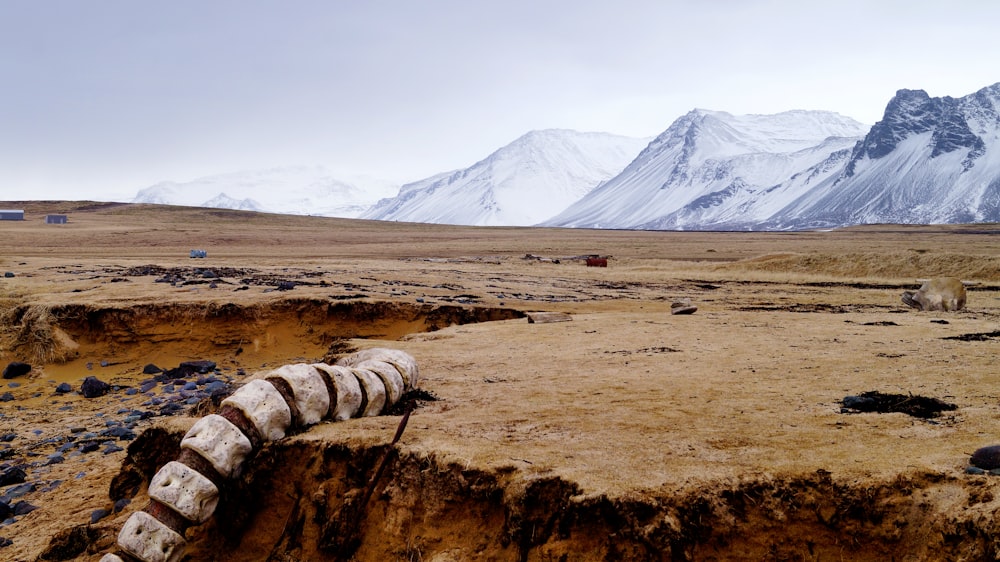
(23, 508)
(98, 514)
(16, 369)
(5, 511)
(63, 388)
(151, 369)
(92, 387)
(986, 458)
(682, 308)
(882, 403)
(12, 475)
(6, 397)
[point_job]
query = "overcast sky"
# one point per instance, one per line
(101, 98)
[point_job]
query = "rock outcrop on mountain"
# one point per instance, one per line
(928, 160)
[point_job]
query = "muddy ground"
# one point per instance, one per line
(625, 433)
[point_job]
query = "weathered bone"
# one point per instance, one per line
(264, 406)
(374, 390)
(311, 397)
(391, 378)
(378, 379)
(144, 537)
(220, 442)
(348, 391)
(402, 360)
(185, 491)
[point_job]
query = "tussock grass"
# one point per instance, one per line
(906, 265)
(36, 337)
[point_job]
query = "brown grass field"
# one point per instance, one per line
(626, 433)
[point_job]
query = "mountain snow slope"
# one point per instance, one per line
(929, 160)
(523, 183)
(710, 169)
(299, 190)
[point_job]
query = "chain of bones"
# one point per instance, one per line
(185, 492)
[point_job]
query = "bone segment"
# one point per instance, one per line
(363, 384)
(404, 362)
(219, 442)
(149, 540)
(311, 397)
(374, 389)
(264, 406)
(348, 391)
(185, 491)
(391, 379)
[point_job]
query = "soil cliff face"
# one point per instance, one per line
(301, 500)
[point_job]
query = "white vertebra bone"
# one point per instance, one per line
(146, 538)
(348, 390)
(374, 389)
(311, 396)
(402, 360)
(390, 376)
(264, 406)
(220, 442)
(185, 491)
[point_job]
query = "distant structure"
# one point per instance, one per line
(11, 214)
(55, 219)
(199, 254)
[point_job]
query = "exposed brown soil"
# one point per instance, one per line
(626, 433)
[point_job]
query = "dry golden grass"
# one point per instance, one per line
(625, 402)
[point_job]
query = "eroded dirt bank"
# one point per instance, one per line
(299, 501)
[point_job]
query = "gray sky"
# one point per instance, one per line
(102, 97)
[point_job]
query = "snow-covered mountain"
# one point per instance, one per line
(710, 169)
(523, 183)
(929, 160)
(299, 190)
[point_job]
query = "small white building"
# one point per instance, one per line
(11, 214)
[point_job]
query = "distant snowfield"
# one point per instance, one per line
(299, 190)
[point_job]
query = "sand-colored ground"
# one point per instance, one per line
(626, 433)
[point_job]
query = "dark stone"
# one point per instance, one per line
(98, 514)
(130, 391)
(170, 408)
(89, 447)
(19, 490)
(16, 369)
(8, 274)
(986, 458)
(92, 387)
(151, 369)
(23, 508)
(4, 541)
(55, 458)
(147, 386)
(6, 397)
(8, 437)
(5, 511)
(12, 475)
(286, 285)
(122, 433)
(112, 448)
(63, 388)
(121, 504)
